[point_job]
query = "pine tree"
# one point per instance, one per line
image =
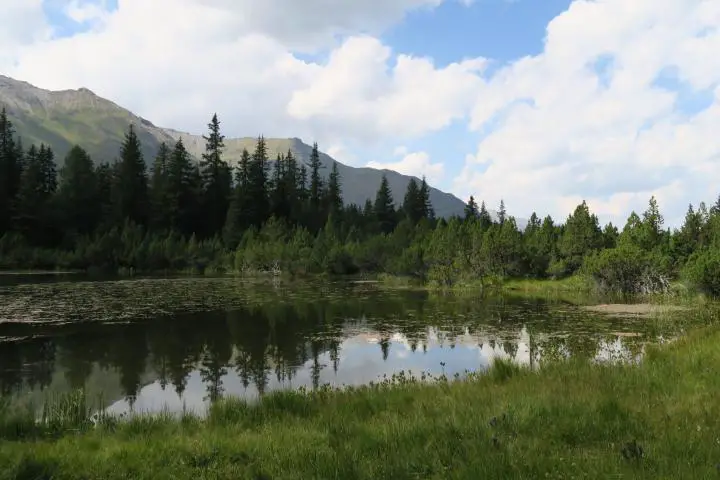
(652, 226)
(48, 169)
(484, 217)
(502, 214)
(130, 186)
(105, 179)
(10, 171)
(294, 193)
(160, 200)
(428, 211)
(471, 209)
(384, 208)
(30, 198)
(184, 186)
(688, 239)
(216, 178)
(257, 188)
(316, 183)
(78, 193)
(238, 218)
(33, 209)
(280, 203)
(610, 236)
(333, 195)
(581, 236)
(413, 202)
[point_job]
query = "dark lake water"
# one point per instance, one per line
(152, 344)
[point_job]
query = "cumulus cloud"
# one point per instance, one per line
(588, 118)
(21, 23)
(87, 12)
(231, 57)
(413, 163)
(591, 117)
(355, 92)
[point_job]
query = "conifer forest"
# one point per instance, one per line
(282, 215)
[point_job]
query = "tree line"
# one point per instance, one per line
(287, 216)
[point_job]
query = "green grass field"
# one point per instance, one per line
(660, 419)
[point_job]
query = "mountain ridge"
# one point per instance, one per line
(64, 118)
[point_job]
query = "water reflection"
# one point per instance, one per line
(346, 336)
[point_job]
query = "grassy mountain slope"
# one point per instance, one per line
(64, 118)
(359, 184)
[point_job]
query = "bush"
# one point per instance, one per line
(627, 269)
(702, 271)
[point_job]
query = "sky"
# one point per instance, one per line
(541, 103)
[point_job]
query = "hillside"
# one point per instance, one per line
(64, 118)
(359, 184)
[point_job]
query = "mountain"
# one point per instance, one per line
(64, 118)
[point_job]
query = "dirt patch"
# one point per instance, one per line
(634, 309)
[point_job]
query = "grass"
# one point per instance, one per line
(576, 284)
(567, 420)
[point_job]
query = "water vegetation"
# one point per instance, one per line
(566, 419)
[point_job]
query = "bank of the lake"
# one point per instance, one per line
(572, 419)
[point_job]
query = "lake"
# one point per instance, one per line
(172, 343)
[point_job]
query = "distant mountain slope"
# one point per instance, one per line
(64, 118)
(359, 184)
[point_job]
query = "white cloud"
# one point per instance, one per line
(355, 92)
(233, 58)
(414, 163)
(82, 12)
(551, 132)
(558, 134)
(21, 23)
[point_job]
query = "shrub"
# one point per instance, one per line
(702, 271)
(627, 269)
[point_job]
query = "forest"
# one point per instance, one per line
(287, 217)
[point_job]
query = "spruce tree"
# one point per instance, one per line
(10, 171)
(33, 208)
(316, 183)
(652, 226)
(293, 189)
(160, 200)
(216, 178)
(581, 235)
(46, 158)
(184, 186)
(280, 204)
(471, 209)
(484, 217)
(78, 193)
(130, 186)
(30, 199)
(238, 218)
(105, 178)
(333, 194)
(384, 208)
(428, 211)
(502, 214)
(413, 205)
(257, 188)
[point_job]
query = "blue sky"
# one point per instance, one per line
(62, 23)
(585, 99)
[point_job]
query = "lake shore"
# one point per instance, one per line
(658, 419)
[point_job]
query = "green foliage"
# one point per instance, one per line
(571, 419)
(283, 217)
(627, 269)
(703, 271)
